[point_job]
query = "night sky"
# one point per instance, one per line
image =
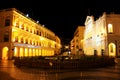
(62, 17)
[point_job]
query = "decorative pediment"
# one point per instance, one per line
(89, 19)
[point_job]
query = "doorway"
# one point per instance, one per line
(5, 53)
(112, 49)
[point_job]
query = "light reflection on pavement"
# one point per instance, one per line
(8, 71)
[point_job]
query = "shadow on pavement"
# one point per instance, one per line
(5, 76)
(90, 78)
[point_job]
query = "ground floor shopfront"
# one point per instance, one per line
(8, 51)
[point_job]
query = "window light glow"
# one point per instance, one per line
(5, 53)
(112, 49)
(110, 28)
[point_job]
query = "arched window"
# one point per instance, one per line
(110, 28)
(22, 26)
(37, 32)
(30, 41)
(31, 30)
(26, 28)
(40, 33)
(16, 39)
(26, 41)
(22, 40)
(112, 49)
(40, 43)
(17, 25)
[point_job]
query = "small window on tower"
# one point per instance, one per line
(110, 28)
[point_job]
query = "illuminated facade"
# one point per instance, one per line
(21, 36)
(102, 37)
(77, 41)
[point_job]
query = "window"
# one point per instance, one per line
(22, 26)
(30, 41)
(110, 28)
(31, 30)
(6, 36)
(26, 41)
(26, 28)
(22, 40)
(16, 39)
(37, 32)
(39, 43)
(40, 33)
(17, 25)
(7, 21)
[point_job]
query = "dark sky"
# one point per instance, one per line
(62, 17)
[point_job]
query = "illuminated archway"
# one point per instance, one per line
(21, 52)
(5, 53)
(112, 49)
(26, 52)
(16, 52)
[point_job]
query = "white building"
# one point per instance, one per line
(102, 36)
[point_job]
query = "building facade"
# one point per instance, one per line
(76, 43)
(102, 36)
(21, 36)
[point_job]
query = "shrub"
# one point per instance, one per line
(81, 62)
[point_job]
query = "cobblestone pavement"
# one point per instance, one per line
(8, 71)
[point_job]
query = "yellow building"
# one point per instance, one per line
(102, 36)
(21, 36)
(77, 41)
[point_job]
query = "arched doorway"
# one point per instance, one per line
(5, 53)
(112, 49)
(16, 52)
